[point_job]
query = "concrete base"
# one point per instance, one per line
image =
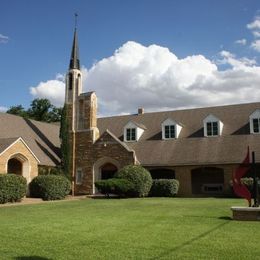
(246, 213)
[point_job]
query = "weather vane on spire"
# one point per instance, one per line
(76, 20)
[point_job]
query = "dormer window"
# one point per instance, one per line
(133, 131)
(130, 134)
(254, 119)
(170, 129)
(212, 126)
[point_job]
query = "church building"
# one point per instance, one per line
(199, 147)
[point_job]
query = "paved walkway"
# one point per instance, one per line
(28, 201)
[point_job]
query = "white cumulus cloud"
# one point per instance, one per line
(3, 38)
(153, 77)
(53, 89)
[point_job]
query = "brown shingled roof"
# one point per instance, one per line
(42, 138)
(6, 142)
(191, 148)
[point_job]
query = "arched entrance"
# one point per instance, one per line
(207, 181)
(15, 166)
(103, 169)
(108, 171)
(18, 164)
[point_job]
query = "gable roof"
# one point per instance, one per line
(118, 140)
(12, 141)
(42, 138)
(191, 148)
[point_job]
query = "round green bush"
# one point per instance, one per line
(50, 187)
(116, 186)
(164, 188)
(12, 188)
(139, 177)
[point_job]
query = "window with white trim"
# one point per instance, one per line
(169, 131)
(79, 176)
(212, 128)
(131, 134)
(256, 124)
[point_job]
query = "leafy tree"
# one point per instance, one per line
(55, 114)
(40, 110)
(65, 144)
(17, 110)
(43, 110)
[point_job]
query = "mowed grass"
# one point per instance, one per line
(150, 228)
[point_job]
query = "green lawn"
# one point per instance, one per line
(152, 228)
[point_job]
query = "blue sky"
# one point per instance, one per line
(36, 38)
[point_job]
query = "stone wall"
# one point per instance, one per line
(91, 156)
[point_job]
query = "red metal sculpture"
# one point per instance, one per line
(239, 188)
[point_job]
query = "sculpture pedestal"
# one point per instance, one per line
(246, 213)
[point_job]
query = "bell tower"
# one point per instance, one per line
(81, 114)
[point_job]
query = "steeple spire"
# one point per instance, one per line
(74, 58)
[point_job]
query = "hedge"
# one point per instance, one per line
(139, 177)
(50, 187)
(12, 188)
(164, 188)
(116, 186)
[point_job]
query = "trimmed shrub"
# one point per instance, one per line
(12, 188)
(139, 177)
(50, 187)
(164, 188)
(116, 186)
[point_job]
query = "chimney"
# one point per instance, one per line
(140, 111)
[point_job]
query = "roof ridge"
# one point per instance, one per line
(181, 110)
